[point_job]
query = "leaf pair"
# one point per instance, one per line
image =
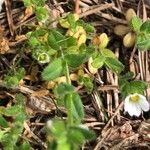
(107, 58)
(143, 32)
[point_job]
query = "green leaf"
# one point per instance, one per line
(10, 111)
(25, 146)
(27, 2)
(62, 89)
(41, 14)
(3, 122)
(71, 20)
(72, 50)
(145, 27)
(75, 60)
(39, 2)
(11, 82)
(71, 41)
(87, 26)
(88, 83)
(127, 76)
(20, 73)
(107, 53)
(133, 87)
(115, 65)
(99, 61)
(53, 70)
(56, 40)
(79, 134)
(75, 136)
(136, 23)
(2, 134)
(33, 42)
(78, 110)
(123, 79)
(20, 99)
(138, 87)
(143, 41)
(58, 128)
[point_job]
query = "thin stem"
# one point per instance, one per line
(77, 7)
(67, 73)
(69, 109)
(68, 96)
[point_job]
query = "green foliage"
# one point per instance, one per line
(72, 21)
(27, 2)
(99, 61)
(136, 23)
(143, 33)
(56, 40)
(39, 2)
(129, 86)
(115, 65)
(12, 79)
(38, 7)
(145, 27)
(87, 82)
(107, 57)
(41, 14)
(53, 70)
(71, 100)
(67, 49)
(143, 41)
(10, 131)
(75, 60)
(88, 27)
(63, 89)
(67, 137)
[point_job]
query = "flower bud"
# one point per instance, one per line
(130, 13)
(103, 40)
(121, 30)
(73, 77)
(129, 40)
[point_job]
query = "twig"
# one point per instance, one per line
(106, 126)
(9, 16)
(95, 10)
(77, 7)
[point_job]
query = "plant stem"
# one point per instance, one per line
(77, 7)
(67, 73)
(69, 109)
(68, 96)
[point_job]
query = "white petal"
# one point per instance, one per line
(145, 106)
(131, 107)
(135, 109)
(126, 102)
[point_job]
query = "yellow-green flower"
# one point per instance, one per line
(135, 104)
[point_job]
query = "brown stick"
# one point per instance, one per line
(9, 16)
(77, 7)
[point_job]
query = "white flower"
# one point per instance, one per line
(135, 104)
